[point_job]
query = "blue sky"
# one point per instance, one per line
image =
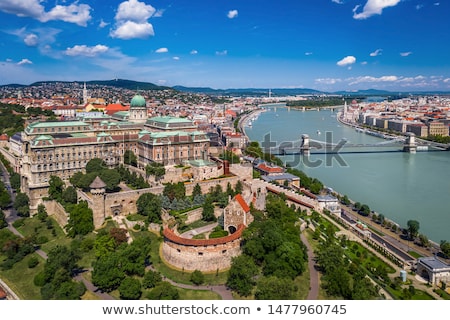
(397, 45)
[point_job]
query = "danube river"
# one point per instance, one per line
(399, 185)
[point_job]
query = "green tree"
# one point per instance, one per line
(130, 289)
(345, 200)
(155, 169)
(69, 195)
(241, 277)
(5, 198)
(22, 205)
(3, 222)
(81, 220)
(150, 205)
(42, 212)
(175, 191)
(107, 273)
(151, 279)
(55, 187)
(413, 228)
(14, 180)
(208, 210)
(197, 191)
(445, 247)
(111, 178)
(130, 158)
(95, 165)
(163, 291)
(273, 288)
(197, 277)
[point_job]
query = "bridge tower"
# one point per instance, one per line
(305, 148)
(410, 143)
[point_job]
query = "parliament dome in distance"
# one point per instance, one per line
(138, 101)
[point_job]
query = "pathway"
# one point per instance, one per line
(313, 293)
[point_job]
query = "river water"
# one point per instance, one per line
(399, 185)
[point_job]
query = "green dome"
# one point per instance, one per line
(138, 101)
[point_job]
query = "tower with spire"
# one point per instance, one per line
(85, 94)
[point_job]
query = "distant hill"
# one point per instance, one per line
(260, 92)
(119, 83)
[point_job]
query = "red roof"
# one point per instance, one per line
(268, 169)
(115, 107)
(171, 236)
(242, 203)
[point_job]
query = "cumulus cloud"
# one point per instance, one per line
(337, 1)
(232, 14)
(327, 80)
(162, 50)
(193, 52)
(376, 53)
(405, 54)
(373, 7)
(31, 40)
(132, 20)
(24, 61)
(366, 79)
(308, 53)
(131, 30)
(347, 61)
(176, 58)
(84, 50)
(103, 24)
(221, 53)
(74, 13)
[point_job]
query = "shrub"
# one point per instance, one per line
(33, 262)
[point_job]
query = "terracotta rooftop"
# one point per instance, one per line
(242, 203)
(171, 236)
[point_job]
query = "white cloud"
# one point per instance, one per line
(436, 3)
(74, 13)
(308, 53)
(232, 14)
(162, 50)
(176, 58)
(31, 40)
(419, 6)
(373, 7)
(370, 79)
(24, 61)
(132, 30)
(103, 24)
(83, 50)
(132, 20)
(193, 52)
(364, 63)
(376, 53)
(337, 1)
(221, 53)
(135, 11)
(327, 80)
(405, 54)
(159, 13)
(347, 61)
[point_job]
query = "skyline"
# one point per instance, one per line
(329, 45)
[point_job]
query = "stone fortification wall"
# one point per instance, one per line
(206, 255)
(125, 201)
(56, 210)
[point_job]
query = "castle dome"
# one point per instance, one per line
(138, 101)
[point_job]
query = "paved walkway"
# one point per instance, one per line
(313, 293)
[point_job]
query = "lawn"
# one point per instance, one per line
(20, 278)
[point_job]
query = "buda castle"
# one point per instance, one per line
(62, 148)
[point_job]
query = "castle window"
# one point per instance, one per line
(224, 251)
(178, 250)
(200, 253)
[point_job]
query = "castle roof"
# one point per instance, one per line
(97, 183)
(138, 101)
(171, 236)
(242, 202)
